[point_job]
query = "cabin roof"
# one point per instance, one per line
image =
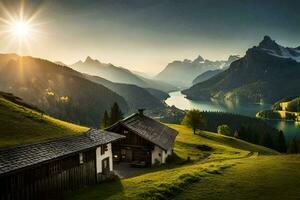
(149, 129)
(27, 155)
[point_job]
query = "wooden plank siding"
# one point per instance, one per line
(49, 181)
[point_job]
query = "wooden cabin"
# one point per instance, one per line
(45, 170)
(147, 142)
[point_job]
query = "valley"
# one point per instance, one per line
(149, 100)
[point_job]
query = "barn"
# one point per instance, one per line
(147, 142)
(45, 170)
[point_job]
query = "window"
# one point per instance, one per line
(80, 158)
(103, 149)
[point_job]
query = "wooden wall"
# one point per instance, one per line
(50, 180)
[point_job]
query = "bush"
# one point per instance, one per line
(223, 129)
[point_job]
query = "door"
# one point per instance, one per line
(105, 166)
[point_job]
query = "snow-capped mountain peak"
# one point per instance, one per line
(272, 48)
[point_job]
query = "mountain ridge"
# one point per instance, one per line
(255, 78)
(118, 74)
(182, 73)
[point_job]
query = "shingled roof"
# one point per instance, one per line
(27, 155)
(149, 129)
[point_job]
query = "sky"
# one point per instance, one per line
(146, 35)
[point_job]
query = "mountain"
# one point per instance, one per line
(135, 96)
(158, 94)
(206, 75)
(58, 90)
(182, 73)
(268, 72)
(118, 74)
(60, 63)
(22, 123)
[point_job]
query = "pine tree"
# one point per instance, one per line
(105, 120)
(115, 114)
(281, 142)
(266, 141)
(236, 134)
(293, 147)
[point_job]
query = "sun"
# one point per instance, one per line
(20, 29)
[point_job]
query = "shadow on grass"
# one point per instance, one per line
(102, 190)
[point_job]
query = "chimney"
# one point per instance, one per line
(141, 111)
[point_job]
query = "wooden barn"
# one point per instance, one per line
(45, 170)
(147, 142)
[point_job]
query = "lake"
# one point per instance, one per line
(290, 129)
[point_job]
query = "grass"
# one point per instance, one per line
(260, 178)
(213, 156)
(21, 125)
(187, 145)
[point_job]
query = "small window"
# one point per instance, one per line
(125, 131)
(159, 154)
(80, 158)
(103, 149)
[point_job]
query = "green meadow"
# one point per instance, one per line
(22, 125)
(208, 166)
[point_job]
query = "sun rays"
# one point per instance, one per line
(19, 27)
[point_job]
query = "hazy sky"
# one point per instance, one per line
(146, 35)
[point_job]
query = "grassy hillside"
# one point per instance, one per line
(21, 125)
(212, 157)
(58, 90)
(285, 109)
(260, 178)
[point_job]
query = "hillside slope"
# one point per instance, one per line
(206, 75)
(135, 96)
(23, 125)
(257, 77)
(260, 178)
(58, 90)
(211, 157)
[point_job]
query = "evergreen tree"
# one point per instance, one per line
(281, 142)
(266, 141)
(105, 120)
(293, 147)
(236, 134)
(115, 114)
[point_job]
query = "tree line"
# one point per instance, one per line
(252, 130)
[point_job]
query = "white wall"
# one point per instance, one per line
(100, 157)
(164, 154)
(155, 155)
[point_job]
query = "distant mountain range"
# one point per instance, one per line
(118, 74)
(70, 95)
(268, 72)
(58, 90)
(182, 73)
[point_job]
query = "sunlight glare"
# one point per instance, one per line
(20, 29)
